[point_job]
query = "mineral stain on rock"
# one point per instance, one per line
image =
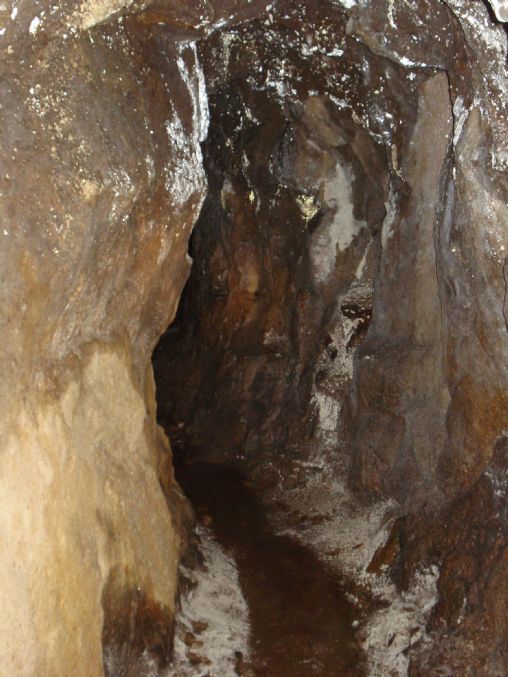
(301, 621)
(137, 633)
(345, 323)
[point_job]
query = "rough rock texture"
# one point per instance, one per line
(350, 294)
(468, 295)
(101, 180)
(284, 250)
(350, 285)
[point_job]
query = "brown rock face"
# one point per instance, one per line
(348, 299)
(101, 181)
(285, 242)
(348, 306)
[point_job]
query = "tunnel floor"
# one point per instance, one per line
(301, 622)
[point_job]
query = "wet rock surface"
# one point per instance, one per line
(346, 311)
(301, 622)
(284, 240)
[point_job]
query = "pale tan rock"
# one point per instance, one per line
(101, 181)
(80, 503)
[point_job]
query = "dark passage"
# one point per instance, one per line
(339, 294)
(301, 620)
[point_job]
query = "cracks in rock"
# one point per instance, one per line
(393, 57)
(444, 215)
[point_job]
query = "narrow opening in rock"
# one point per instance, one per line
(334, 386)
(301, 383)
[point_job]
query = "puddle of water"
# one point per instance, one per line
(301, 621)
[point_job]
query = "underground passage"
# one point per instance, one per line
(254, 311)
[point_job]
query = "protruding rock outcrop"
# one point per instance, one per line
(101, 182)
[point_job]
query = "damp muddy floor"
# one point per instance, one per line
(301, 622)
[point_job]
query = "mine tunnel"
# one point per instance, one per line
(254, 317)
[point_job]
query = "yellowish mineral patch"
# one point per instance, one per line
(93, 12)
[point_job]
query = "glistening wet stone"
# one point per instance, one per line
(301, 620)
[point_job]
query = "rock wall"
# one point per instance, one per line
(348, 302)
(286, 247)
(101, 181)
(351, 285)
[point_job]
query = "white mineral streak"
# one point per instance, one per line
(391, 18)
(184, 173)
(347, 4)
(500, 8)
(395, 628)
(499, 481)
(348, 539)
(327, 393)
(34, 25)
(351, 533)
(460, 114)
(217, 601)
(334, 236)
(328, 411)
(488, 38)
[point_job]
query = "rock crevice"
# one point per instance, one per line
(345, 319)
